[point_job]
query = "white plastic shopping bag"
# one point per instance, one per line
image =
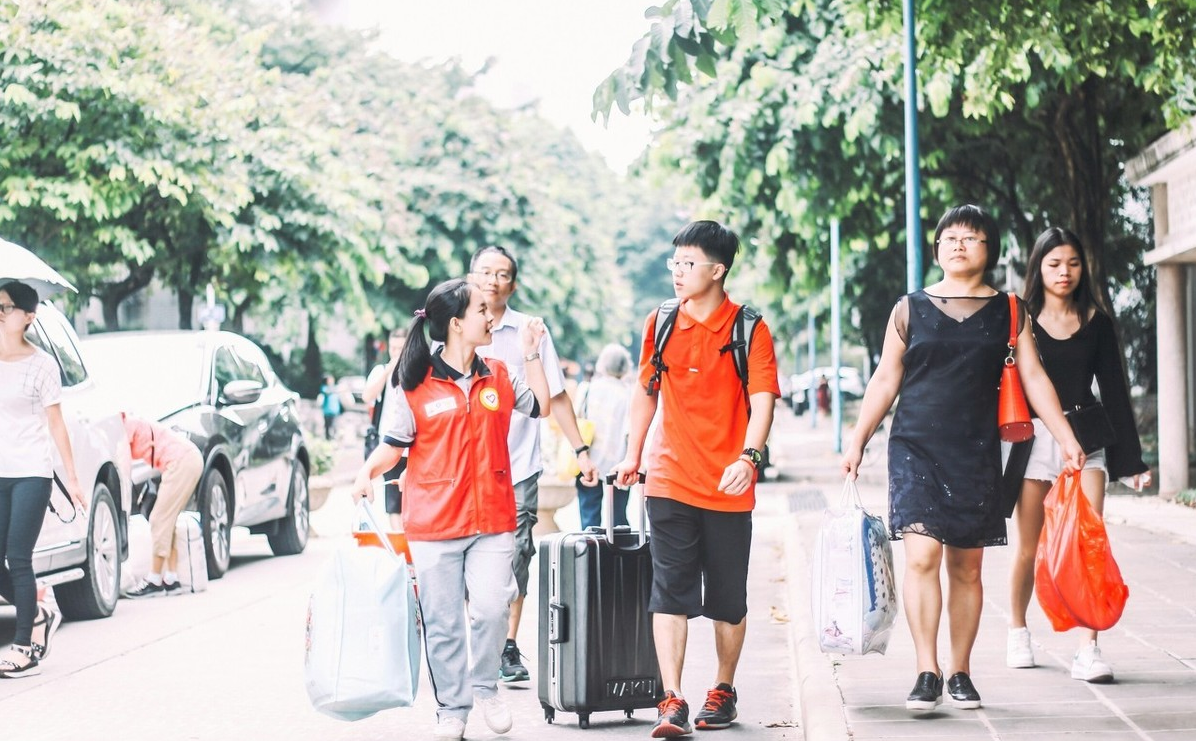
(363, 648)
(137, 566)
(191, 555)
(855, 598)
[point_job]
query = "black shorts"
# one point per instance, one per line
(394, 497)
(699, 560)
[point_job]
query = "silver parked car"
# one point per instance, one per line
(219, 389)
(81, 555)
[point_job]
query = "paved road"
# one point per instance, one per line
(228, 663)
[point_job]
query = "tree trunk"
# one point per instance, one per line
(239, 312)
(313, 365)
(111, 305)
(112, 294)
(186, 304)
(1076, 127)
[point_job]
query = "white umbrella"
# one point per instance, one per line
(18, 263)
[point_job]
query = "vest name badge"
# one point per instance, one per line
(489, 398)
(440, 406)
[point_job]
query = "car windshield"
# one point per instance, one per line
(148, 375)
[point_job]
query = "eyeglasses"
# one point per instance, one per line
(684, 266)
(7, 309)
(968, 242)
(501, 276)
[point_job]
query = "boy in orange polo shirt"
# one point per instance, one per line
(702, 470)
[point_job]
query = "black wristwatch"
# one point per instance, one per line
(582, 449)
(753, 456)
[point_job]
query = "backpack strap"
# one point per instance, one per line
(666, 317)
(742, 332)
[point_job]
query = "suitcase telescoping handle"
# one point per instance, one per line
(366, 517)
(608, 509)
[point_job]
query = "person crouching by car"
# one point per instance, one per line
(181, 465)
(452, 414)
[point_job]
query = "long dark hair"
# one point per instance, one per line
(447, 301)
(1083, 299)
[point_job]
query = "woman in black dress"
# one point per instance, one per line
(1078, 343)
(943, 353)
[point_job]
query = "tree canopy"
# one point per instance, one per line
(788, 115)
(293, 165)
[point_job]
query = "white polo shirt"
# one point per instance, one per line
(524, 437)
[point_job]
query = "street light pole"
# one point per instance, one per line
(913, 188)
(811, 399)
(836, 340)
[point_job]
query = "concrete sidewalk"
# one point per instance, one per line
(1152, 649)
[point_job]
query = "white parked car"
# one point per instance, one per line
(851, 385)
(82, 557)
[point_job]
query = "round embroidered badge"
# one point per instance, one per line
(489, 398)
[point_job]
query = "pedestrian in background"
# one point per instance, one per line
(702, 471)
(1078, 343)
(31, 417)
(943, 352)
(181, 465)
(604, 400)
(495, 271)
(330, 405)
(453, 415)
(823, 394)
(379, 392)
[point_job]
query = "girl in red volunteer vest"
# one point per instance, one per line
(458, 501)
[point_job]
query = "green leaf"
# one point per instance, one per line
(719, 15)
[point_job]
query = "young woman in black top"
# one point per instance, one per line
(1077, 343)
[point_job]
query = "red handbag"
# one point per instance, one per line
(1013, 413)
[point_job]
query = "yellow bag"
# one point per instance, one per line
(566, 459)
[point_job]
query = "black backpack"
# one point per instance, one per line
(742, 332)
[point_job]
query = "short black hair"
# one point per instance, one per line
(718, 242)
(976, 218)
(498, 250)
(24, 296)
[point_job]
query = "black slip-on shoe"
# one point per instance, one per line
(927, 693)
(963, 692)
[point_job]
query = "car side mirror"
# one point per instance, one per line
(241, 392)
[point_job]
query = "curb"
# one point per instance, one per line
(819, 701)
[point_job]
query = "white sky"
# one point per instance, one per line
(554, 51)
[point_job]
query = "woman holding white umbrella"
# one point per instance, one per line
(31, 415)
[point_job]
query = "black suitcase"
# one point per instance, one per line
(596, 650)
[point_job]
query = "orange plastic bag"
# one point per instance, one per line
(1076, 579)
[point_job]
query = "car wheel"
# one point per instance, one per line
(290, 535)
(216, 520)
(94, 596)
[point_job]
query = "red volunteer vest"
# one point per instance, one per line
(459, 467)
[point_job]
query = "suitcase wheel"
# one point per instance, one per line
(627, 713)
(583, 721)
(549, 713)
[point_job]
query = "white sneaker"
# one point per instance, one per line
(1019, 654)
(497, 714)
(449, 729)
(1088, 665)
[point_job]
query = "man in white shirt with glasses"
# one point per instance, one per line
(494, 270)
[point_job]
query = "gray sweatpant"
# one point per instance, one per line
(465, 575)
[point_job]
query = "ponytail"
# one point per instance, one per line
(448, 300)
(415, 358)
